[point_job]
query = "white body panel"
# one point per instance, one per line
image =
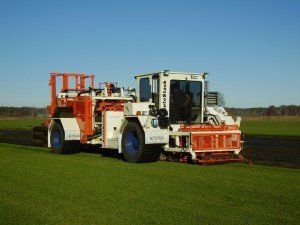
(153, 135)
(157, 137)
(131, 108)
(70, 126)
(112, 124)
(222, 117)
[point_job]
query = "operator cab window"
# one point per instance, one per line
(145, 91)
(185, 101)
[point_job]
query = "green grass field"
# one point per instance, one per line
(20, 123)
(272, 126)
(37, 187)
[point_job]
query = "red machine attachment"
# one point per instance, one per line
(215, 144)
(218, 158)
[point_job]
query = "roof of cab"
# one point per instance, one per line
(168, 71)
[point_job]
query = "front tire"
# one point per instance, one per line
(134, 148)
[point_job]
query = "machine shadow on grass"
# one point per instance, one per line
(109, 153)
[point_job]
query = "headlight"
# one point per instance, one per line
(154, 122)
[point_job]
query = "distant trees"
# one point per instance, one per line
(289, 110)
(22, 112)
(271, 111)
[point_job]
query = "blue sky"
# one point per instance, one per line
(250, 48)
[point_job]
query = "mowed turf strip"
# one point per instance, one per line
(37, 187)
(20, 123)
(271, 127)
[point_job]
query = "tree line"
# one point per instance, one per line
(23, 112)
(284, 110)
(289, 110)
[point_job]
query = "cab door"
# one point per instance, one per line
(144, 89)
(149, 89)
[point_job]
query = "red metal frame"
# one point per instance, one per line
(205, 127)
(217, 158)
(111, 106)
(82, 110)
(79, 85)
(216, 141)
(213, 137)
(81, 105)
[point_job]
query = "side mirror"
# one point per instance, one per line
(163, 120)
(162, 112)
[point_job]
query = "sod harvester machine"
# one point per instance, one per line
(171, 114)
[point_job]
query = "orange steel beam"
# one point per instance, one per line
(79, 85)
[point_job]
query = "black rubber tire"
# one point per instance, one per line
(144, 153)
(66, 147)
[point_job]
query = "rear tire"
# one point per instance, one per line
(134, 148)
(58, 143)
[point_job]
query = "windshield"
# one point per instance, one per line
(185, 101)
